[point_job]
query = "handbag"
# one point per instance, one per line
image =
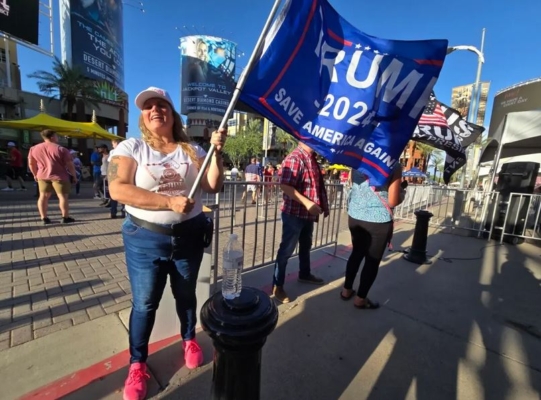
(208, 232)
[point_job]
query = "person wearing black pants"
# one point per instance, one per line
(371, 226)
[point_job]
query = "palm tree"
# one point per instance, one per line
(437, 162)
(426, 152)
(286, 141)
(68, 84)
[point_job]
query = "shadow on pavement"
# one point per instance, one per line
(466, 326)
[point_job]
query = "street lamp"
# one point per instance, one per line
(475, 96)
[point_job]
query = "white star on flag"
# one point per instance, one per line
(333, 150)
(358, 46)
(376, 51)
(368, 48)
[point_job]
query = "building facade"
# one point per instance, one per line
(16, 103)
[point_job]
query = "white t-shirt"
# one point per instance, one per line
(234, 173)
(104, 164)
(170, 174)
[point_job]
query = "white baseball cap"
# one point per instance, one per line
(11, 144)
(151, 93)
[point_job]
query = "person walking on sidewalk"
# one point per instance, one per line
(16, 170)
(52, 165)
(304, 200)
(78, 170)
(113, 204)
(251, 174)
(164, 232)
(370, 220)
(96, 160)
(104, 151)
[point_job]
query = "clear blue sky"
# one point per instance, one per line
(512, 46)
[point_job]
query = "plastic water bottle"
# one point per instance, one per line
(233, 261)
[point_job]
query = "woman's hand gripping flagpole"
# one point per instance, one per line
(236, 94)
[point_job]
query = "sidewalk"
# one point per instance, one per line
(468, 326)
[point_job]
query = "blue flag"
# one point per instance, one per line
(354, 98)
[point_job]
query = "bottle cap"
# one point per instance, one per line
(233, 236)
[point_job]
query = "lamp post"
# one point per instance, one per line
(475, 96)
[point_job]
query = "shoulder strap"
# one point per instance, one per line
(383, 201)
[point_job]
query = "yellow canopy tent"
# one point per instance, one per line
(80, 130)
(339, 167)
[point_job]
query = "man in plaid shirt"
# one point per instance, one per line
(304, 200)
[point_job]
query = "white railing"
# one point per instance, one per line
(518, 218)
(451, 208)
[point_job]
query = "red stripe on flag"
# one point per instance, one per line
(368, 162)
(438, 118)
(263, 101)
(295, 51)
(437, 63)
(338, 38)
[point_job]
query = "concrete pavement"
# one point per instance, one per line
(467, 326)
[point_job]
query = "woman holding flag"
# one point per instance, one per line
(165, 231)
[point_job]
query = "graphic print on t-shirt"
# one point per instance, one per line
(171, 177)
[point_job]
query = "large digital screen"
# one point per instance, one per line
(207, 74)
(20, 19)
(97, 42)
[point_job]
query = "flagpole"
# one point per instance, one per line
(236, 94)
(473, 113)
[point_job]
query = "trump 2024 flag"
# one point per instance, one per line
(353, 98)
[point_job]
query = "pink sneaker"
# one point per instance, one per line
(135, 387)
(193, 355)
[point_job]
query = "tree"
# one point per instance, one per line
(68, 84)
(245, 144)
(285, 141)
(426, 151)
(437, 159)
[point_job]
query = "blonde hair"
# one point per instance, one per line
(179, 136)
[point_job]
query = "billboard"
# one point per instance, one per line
(461, 98)
(97, 42)
(524, 96)
(207, 74)
(20, 19)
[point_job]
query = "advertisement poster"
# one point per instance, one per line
(20, 19)
(97, 44)
(207, 74)
(461, 98)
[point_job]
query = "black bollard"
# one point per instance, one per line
(239, 328)
(417, 252)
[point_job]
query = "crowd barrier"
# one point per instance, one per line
(258, 223)
(513, 218)
(259, 227)
(519, 218)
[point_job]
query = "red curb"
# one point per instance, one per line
(83, 377)
(77, 380)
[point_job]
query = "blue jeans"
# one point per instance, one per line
(150, 257)
(114, 207)
(294, 230)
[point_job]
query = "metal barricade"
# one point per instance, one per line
(461, 209)
(258, 224)
(521, 220)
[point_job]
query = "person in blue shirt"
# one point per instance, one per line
(370, 221)
(96, 161)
